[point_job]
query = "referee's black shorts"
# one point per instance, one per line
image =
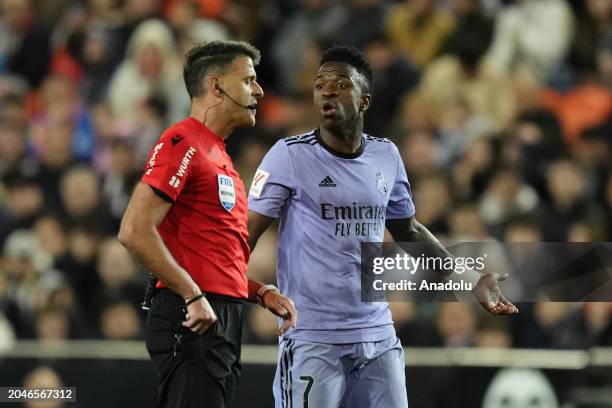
(194, 370)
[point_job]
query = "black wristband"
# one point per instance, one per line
(195, 298)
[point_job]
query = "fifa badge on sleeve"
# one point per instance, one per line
(227, 194)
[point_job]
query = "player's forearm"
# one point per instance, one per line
(414, 231)
(150, 251)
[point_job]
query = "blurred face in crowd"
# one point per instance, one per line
(420, 152)
(465, 223)
(12, 144)
(137, 9)
(339, 95)
(52, 325)
(432, 199)
(150, 62)
(522, 232)
(456, 322)
(82, 245)
(15, 13)
(548, 313)
(505, 186)
(50, 236)
(59, 97)
(13, 113)
(115, 265)
(24, 200)
(123, 159)
(43, 377)
(600, 9)
(55, 142)
(80, 192)
(566, 183)
(120, 322)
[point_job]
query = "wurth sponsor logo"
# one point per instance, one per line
(151, 162)
(175, 180)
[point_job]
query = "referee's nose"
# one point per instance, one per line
(257, 90)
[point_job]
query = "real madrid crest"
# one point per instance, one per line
(227, 193)
(381, 183)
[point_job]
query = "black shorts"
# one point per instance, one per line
(194, 370)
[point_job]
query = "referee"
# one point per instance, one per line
(187, 224)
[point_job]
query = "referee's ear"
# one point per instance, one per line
(214, 85)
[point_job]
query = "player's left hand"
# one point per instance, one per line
(281, 306)
(490, 296)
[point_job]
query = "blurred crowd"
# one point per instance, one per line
(501, 110)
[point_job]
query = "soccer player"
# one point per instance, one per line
(343, 352)
(186, 223)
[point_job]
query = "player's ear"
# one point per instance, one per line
(366, 99)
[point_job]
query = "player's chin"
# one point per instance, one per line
(330, 120)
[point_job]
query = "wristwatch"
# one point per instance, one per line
(263, 290)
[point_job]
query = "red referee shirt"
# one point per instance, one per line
(206, 227)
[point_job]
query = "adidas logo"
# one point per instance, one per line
(327, 182)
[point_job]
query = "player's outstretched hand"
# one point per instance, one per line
(490, 297)
(200, 316)
(281, 306)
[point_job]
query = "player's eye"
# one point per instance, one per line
(319, 86)
(342, 85)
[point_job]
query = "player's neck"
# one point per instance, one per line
(343, 140)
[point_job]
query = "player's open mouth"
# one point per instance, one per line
(328, 108)
(252, 107)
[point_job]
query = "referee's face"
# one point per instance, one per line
(241, 92)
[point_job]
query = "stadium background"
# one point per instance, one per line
(501, 110)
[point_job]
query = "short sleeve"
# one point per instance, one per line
(274, 182)
(400, 201)
(170, 165)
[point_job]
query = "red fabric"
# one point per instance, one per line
(210, 242)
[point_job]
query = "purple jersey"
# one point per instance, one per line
(329, 203)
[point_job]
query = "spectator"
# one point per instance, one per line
(418, 28)
(456, 324)
(152, 68)
(315, 20)
(43, 377)
(119, 321)
(394, 76)
(81, 201)
(24, 43)
(531, 36)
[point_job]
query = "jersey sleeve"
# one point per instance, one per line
(400, 201)
(274, 182)
(170, 166)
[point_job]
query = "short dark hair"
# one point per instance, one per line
(351, 56)
(213, 56)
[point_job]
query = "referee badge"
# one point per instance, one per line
(227, 194)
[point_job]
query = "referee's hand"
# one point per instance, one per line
(281, 306)
(200, 316)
